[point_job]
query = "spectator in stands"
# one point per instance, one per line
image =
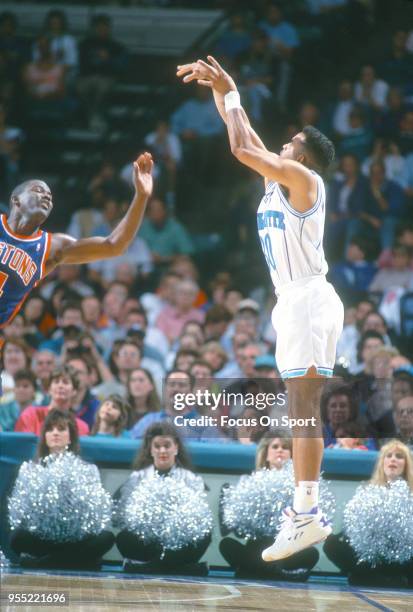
(359, 138)
(389, 154)
(70, 276)
(15, 356)
(384, 205)
(44, 84)
(86, 403)
(185, 358)
(137, 260)
(399, 275)
(388, 121)
(394, 462)
(93, 315)
(273, 453)
(349, 436)
(176, 382)
(379, 405)
(257, 74)
(199, 126)
(213, 353)
(63, 45)
(405, 137)
(63, 386)
(340, 109)
(167, 150)
(70, 316)
(347, 199)
(338, 407)
(66, 549)
(102, 61)
(142, 395)
(217, 320)
(352, 276)
(173, 317)
(371, 91)
(24, 396)
(235, 40)
(164, 235)
(14, 52)
(370, 341)
(44, 363)
(162, 455)
(162, 296)
(111, 418)
(397, 68)
(284, 40)
(403, 419)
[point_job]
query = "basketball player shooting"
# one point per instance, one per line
(28, 254)
(308, 316)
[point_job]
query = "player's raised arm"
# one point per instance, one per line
(67, 250)
(203, 73)
(245, 144)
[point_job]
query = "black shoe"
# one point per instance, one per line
(296, 575)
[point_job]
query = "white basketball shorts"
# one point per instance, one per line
(308, 319)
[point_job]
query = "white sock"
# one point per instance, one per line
(305, 496)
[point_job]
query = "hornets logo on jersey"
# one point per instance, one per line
(22, 265)
(292, 242)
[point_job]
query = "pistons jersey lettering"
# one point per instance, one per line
(22, 266)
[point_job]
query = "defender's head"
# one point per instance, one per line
(311, 148)
(33, 199)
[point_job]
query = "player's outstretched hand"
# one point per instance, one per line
(210, 75)
(142, 174)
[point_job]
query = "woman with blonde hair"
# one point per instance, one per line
(375, 546)
(251, 510)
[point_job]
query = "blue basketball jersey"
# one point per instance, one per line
(22, 266)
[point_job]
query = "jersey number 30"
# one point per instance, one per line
(267, 250)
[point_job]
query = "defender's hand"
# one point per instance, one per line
(142, 174)
(210, 75)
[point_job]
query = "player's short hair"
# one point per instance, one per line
(19, 190)
(320, 148)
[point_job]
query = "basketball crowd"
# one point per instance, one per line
(103, 350)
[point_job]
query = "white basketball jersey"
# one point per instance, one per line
(292, 242)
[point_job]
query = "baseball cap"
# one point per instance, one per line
(248, 304)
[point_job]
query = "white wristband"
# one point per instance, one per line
(232, 100)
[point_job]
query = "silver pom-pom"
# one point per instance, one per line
(253, 506)
(378, 521)
(60, 499)
(167, 511)
(4, 562)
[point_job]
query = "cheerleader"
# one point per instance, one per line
(165, 520)
(58, 509)
(252, 509)
(375, 547)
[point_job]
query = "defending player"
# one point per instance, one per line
(28, 254)
(308, 316)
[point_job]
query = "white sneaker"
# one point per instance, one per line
(297, 531)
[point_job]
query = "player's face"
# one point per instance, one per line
(36, 201)
(295, 148)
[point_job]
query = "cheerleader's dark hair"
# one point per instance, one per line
(62, 419)
(162, 428)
